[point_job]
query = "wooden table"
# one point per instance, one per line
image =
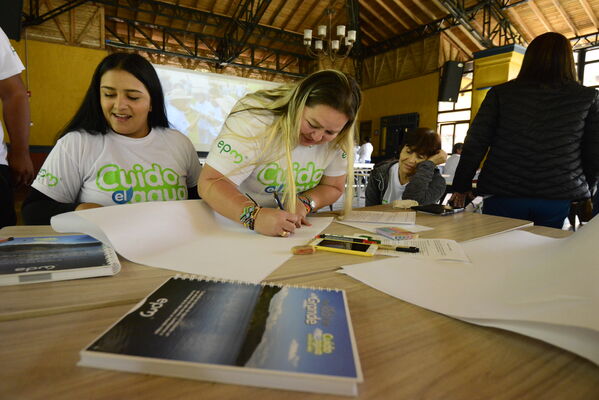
(136, 281)
(406, 352)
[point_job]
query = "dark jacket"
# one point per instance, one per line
(542, 142)
(426, 186)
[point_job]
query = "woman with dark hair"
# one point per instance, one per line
(295, 141)
(414, 176)
(117, 149)
(540, 133)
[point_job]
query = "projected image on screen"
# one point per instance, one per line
(197, 103)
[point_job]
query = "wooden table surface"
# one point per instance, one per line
(406, 352)
(135, 281)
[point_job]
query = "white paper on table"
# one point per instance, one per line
(434, 249)
(581, 341)
(187, 236)
(525, 279)
(371, 226)
(382, 217)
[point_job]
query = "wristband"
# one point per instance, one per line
(248, 216)
(307, 202)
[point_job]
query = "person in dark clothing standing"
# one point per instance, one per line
(414, 176)
(540, 133)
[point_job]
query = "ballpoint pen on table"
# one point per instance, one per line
(405, 249)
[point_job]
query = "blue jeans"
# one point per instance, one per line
(551, 213)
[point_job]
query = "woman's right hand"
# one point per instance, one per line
(460, 200)
(275, 222)
(438, 158)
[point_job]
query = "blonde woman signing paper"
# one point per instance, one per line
(294, 143)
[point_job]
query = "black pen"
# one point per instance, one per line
(278, 200)
(405, 249)
(341, 238)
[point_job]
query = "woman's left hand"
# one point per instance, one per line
(302, 212)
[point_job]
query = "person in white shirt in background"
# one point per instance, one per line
(452, 162)
(365, 152)
(15, 107)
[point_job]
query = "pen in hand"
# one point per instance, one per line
(276, 195)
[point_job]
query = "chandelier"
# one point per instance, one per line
(325, 45)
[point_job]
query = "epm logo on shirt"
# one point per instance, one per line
(139, 185)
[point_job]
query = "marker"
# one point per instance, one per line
(8, 239)
(405, 249)
(345, 238)
(278, 201)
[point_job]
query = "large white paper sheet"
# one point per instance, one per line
(528, 280)
(382, 217)
(187, 236)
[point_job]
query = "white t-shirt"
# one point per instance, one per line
(365, 152)
(451, 164)
(237, 153)
(394, 189)
(10, 65)
(115, 169)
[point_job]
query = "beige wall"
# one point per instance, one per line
(412, 95)
(58, 77)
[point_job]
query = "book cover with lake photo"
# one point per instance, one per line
(242, 333)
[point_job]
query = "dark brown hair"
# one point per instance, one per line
(423, 141)
(548, 60)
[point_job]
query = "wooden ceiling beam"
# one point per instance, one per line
(426, 10)
(516, 17)
(565, 16)
(478, 44)
(366, 4)
(376, 27)
(311, 9)
(535, 9)
(409, 12)
(285, 24)
(458, 43)
(590, 13)
(275, 14)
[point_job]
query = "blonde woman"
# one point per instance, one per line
(283, 153)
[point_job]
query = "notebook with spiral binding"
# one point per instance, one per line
(54, 258)
(283, 337)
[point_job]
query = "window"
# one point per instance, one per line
(588, 61)
(453, 119)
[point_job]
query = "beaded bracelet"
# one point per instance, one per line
(306, 203)
(248, 216)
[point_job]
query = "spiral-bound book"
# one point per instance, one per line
(283, 337)
(54, 258)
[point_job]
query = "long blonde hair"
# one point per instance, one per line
(286, 103)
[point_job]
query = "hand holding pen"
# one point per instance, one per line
(274, 222)
(300, 211)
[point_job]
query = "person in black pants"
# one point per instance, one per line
(540, 135)
(16, 167)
